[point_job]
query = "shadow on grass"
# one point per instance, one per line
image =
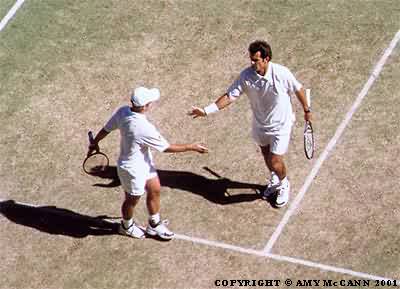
(53, 220)
(214, 190)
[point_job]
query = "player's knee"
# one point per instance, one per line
(131, 199)
(153, 187)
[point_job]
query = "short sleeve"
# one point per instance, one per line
(237, 88)
(292, 83)
(154, 139)
(112, 123)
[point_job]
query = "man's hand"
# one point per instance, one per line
(196, 112)
(199, 148)
(93, 147)
(308, 116)
(94, 143)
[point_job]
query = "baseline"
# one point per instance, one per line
(261, 253)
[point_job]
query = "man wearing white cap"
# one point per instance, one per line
(136, 169)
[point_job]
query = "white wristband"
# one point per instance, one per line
(212, 108)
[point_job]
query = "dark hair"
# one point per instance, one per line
(135, 108)
(263, 47)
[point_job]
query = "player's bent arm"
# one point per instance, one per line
(179, 148)
(100, 135)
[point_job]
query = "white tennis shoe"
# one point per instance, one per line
(133, 231)
(271, 186)
(283, 191)
(161, 230)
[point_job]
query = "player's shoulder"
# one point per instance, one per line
(281, 72)
(247, 72)
(279, 68)
(122, 110)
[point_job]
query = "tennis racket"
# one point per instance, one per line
(95, 162)
(309, 144)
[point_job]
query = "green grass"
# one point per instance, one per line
(5, 6)
(355, 220)
(66, 65)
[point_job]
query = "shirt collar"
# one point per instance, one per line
(138, 115)
(268, 74)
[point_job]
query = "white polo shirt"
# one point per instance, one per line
(138, 135)
(269, 97)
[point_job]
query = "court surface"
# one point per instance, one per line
(66, 66)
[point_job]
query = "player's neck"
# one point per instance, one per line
(265, 70)
(138, 110)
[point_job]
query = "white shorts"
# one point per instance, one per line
(278, 144)
(134, 183)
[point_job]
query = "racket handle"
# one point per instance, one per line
(91, 137)
(308, 97)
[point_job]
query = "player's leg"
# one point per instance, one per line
(274, 181)
(153, 189)
(278, 149)
(265, 150)
(156, 225)
(133, 191)
(277, 165)
(128, 206)
(264, 140)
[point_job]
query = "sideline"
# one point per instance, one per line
(339, 131)
(11, 13)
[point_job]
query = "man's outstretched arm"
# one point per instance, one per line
(221, 102)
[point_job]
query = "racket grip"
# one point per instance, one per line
(91, 137)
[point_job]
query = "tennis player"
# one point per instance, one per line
(135, 167)
(269, 87)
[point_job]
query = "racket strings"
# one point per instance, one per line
(309, 141)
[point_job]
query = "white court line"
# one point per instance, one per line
(293, 207)
(220, 245)
(11, 13)
(328, 268)
(265, 252)
(260, 253)
(282, 258)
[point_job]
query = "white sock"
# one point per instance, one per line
(274, 178)
(154, 219)
(127, 223)
(284, 181)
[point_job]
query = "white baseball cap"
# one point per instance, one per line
(142, 96)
